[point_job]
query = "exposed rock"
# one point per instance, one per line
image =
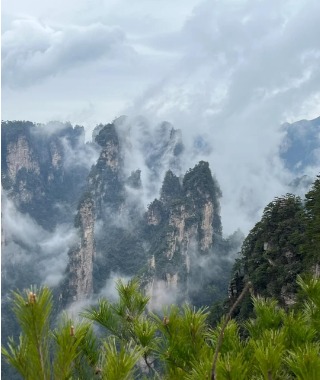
(106, 180)
(20, 156)
(40, 169)
(289, 255)
(81, 258)
(182, 224)
(206, 227)
(288, 298)
(25, 195)
(155, 213)
(316, 270)
(172, 281)
(110, 155)
(185, 221)
(177, 220)
(152, 262)
(56, 156)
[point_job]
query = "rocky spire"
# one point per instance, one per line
(183, 224)
(81, 258)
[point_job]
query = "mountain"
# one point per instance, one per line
(92, 198)
(184, 230)
(44, 170)
(41, 167)
(121, 205)
(282, 245)
(76, 214)
(166, 244)
(300, 147)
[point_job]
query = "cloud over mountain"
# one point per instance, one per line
(33, 51)
(227, 73)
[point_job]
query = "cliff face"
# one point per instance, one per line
(168, 244)
(80, 284)
(118, 211)
(44, 171)
(183, 226)
(117, 244)
(40, 169)
(47, 174)
(21, 165)
(20, 156)
(105, 181)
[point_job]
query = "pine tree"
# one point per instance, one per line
(137, 344)
(312, 245)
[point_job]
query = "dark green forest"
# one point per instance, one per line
(281, 246)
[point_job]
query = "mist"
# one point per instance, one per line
(244, 70)
(228, 74)
(31, 252)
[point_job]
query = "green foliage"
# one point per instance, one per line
(267, 316)
(311, 291)
(119, 317)
(312, 244)
(200, 178)
(171, 188)
(118, 363)
(183, 339)
(268, 354)
(280, 247)
(107, 134)
(32, 357)
(138, 344)
(297, 329)
(67, 346)
(198, 184)
(305, 362)
(33, 310)
(283, 245)
(233, 366)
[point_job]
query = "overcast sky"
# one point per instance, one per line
(230, 70)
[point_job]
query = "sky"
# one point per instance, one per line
(227, 71)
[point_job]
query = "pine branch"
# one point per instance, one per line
(220, 338)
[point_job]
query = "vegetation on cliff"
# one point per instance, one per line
(283, 244)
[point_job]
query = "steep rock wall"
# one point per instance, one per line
(40, 168)
(81, 258)
(183, 225)
(21, 156)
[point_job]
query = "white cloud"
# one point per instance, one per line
(30, 248)
(230, 71)
(32, 51)
(109, 291)
(162, 296)
(243, 67)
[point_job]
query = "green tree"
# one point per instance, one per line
(43, 353)
(312, 205)
(134, 343)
